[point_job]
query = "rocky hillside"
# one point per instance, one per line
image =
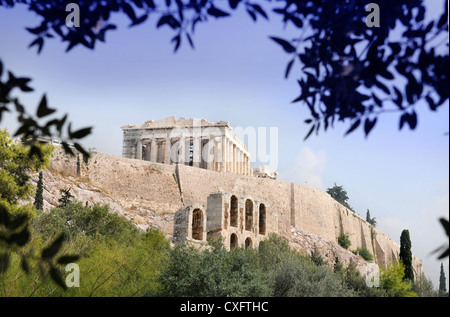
(149, 194)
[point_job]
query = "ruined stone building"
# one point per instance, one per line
(194, 142)
(240, 221)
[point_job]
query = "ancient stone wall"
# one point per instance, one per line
(165, 189)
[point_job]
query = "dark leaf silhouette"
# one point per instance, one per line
(369, 125)
(24, 265)
(39, 42)
(310, 132)
(288, 68)
(66, 259)
(21, 238)
(49, 252)
(4, 262)
(217, 12)
(284, 44)
(353, 126)
(43, 110)
(79, 134)
(56, 276)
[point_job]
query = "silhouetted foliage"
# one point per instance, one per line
(444, 223)
(31, 128)
(348, 71)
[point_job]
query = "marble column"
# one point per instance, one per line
(153, 150)
(230, 154)
(187, 146)
(181, 150)
(167, 147)
(241, 163)
(224, 154)
(247, 165)
(210, 156)
(234, 158)
(197, 155)
(139, 149)
(238, 160)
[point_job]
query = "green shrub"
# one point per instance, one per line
(76, 218)
(317, 259)
(357, 283)
(344, 241)
(298, 276)
(365, 254)
(391, 281)
(212, 272)
(272, 251)
(116, 259)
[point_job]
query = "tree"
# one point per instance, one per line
(66, 197)
(406, 255)
(349, 69)
(372, 221)
(442, 280)
(340, 195)
(16, 165)
(393, 283)
(39, 197)
(423, 287)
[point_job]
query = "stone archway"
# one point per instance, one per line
(248, 215)
(248, 243)
(233, 241)
(197, 224)
(234, 211)
(262, 219)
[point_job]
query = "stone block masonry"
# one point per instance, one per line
(140, 184)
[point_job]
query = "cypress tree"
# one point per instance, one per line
(442, 286)
(406, 255)
(370, 220)
(368, 216)
(39, 197)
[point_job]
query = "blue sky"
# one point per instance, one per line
(236, 74)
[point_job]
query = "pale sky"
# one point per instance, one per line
(236, 74)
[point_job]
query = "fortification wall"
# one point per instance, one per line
(135, 183)
(165, 189)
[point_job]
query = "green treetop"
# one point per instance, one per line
(16, 165)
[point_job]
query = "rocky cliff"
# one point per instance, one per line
(150, 193)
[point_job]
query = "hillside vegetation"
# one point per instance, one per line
(40, 252)
(117, 259)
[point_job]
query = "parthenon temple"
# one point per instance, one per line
(194, 142)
